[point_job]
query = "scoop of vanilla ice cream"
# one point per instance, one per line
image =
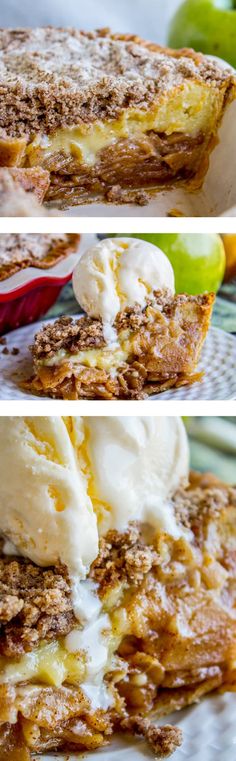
(120, 272)
(136, 463)
(65, 480)
(45, 509)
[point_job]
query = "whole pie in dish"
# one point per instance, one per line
(109, 116)
(18, 251)
(159, 596)
(158, 347)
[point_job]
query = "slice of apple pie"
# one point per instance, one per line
(162, 632)
(157, 348)
(109, 116)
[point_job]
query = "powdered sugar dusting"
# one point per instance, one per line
(49, 55)
(50, 77)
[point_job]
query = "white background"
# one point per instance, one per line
(148, 18)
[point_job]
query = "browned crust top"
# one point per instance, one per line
(53, 77)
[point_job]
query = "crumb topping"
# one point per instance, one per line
(196, 505)
(122, 557)
(133, 318)
(35, 604)
(68, 334)
(54, 77)
(14, 351)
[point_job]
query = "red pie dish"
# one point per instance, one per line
(33, 269)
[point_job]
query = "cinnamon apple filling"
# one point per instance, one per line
(127, 168)
(118, 155)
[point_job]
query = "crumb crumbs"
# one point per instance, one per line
(122, 557)
(163, 741)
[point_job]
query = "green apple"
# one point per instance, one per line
(198, 260)
(208, 26)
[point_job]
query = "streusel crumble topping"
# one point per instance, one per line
(35, 605)
(70, 334)
(53, 77)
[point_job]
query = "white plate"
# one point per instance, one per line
(218, 360)
(209, 735)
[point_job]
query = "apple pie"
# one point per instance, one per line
(168, 619)
(18, 251)
(109, 116)
(157, 348)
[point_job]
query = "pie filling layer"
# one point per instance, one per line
(191, 110)
(49, 664)
(170, 604)
(142, 149)
(102, 359)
